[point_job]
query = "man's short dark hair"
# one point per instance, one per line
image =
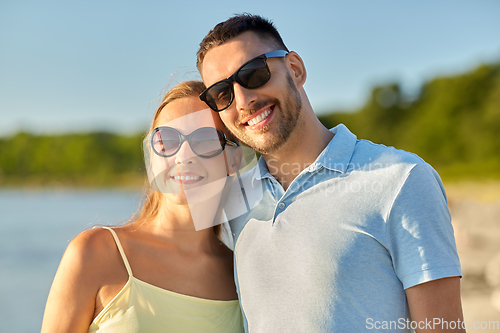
(235, 26)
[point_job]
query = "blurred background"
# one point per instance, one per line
(80, 81)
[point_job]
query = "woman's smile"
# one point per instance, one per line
(186, 178)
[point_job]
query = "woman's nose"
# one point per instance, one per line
(185, 154)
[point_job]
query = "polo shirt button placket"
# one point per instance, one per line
(281, 206)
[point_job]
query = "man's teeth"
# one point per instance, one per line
(187, 177)
(259, 118)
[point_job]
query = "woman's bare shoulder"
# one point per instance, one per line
(94, 254)
(91, 246)
(83, 270)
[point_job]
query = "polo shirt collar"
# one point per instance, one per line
(338, 153)
(336, 156)
(263, 171)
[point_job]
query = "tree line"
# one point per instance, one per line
(453, 123)
(87, 159)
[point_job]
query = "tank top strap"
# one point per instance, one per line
(120, 249)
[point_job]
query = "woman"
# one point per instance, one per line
(167, 271)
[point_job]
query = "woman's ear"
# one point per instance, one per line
(234, 156)
(297, 68)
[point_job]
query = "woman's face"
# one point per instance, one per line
(186, 176)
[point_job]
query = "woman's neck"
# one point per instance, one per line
(189, 226)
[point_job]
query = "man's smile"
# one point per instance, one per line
(259, 119)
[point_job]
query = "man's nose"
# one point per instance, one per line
(243, 97)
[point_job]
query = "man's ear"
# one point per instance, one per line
(297, 68)
(234, 156)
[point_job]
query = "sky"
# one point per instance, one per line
(102, 65)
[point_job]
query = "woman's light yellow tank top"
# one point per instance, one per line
(142, 307)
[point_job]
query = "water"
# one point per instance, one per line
(35, 228)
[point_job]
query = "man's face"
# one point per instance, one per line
(262, 118)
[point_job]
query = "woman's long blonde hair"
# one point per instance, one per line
(151, 202)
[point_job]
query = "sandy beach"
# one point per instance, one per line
(475, 211)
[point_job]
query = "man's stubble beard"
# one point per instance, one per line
(286, 123)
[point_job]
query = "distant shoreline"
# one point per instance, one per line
(125, 182)
(483, 191)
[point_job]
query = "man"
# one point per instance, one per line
(349, 236)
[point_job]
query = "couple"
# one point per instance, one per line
(347, 236)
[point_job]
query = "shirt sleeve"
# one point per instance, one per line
(420, 233)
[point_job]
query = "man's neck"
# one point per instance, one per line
(303, 147)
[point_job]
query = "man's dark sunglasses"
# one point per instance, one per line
(205, 142)
(253, 74)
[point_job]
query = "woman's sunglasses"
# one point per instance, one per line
(253, 74)
(205, 142)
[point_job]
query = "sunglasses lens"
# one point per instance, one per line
(219, 96)
(254, 74)
(206, 142)
(251, 76)
(165, 142)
